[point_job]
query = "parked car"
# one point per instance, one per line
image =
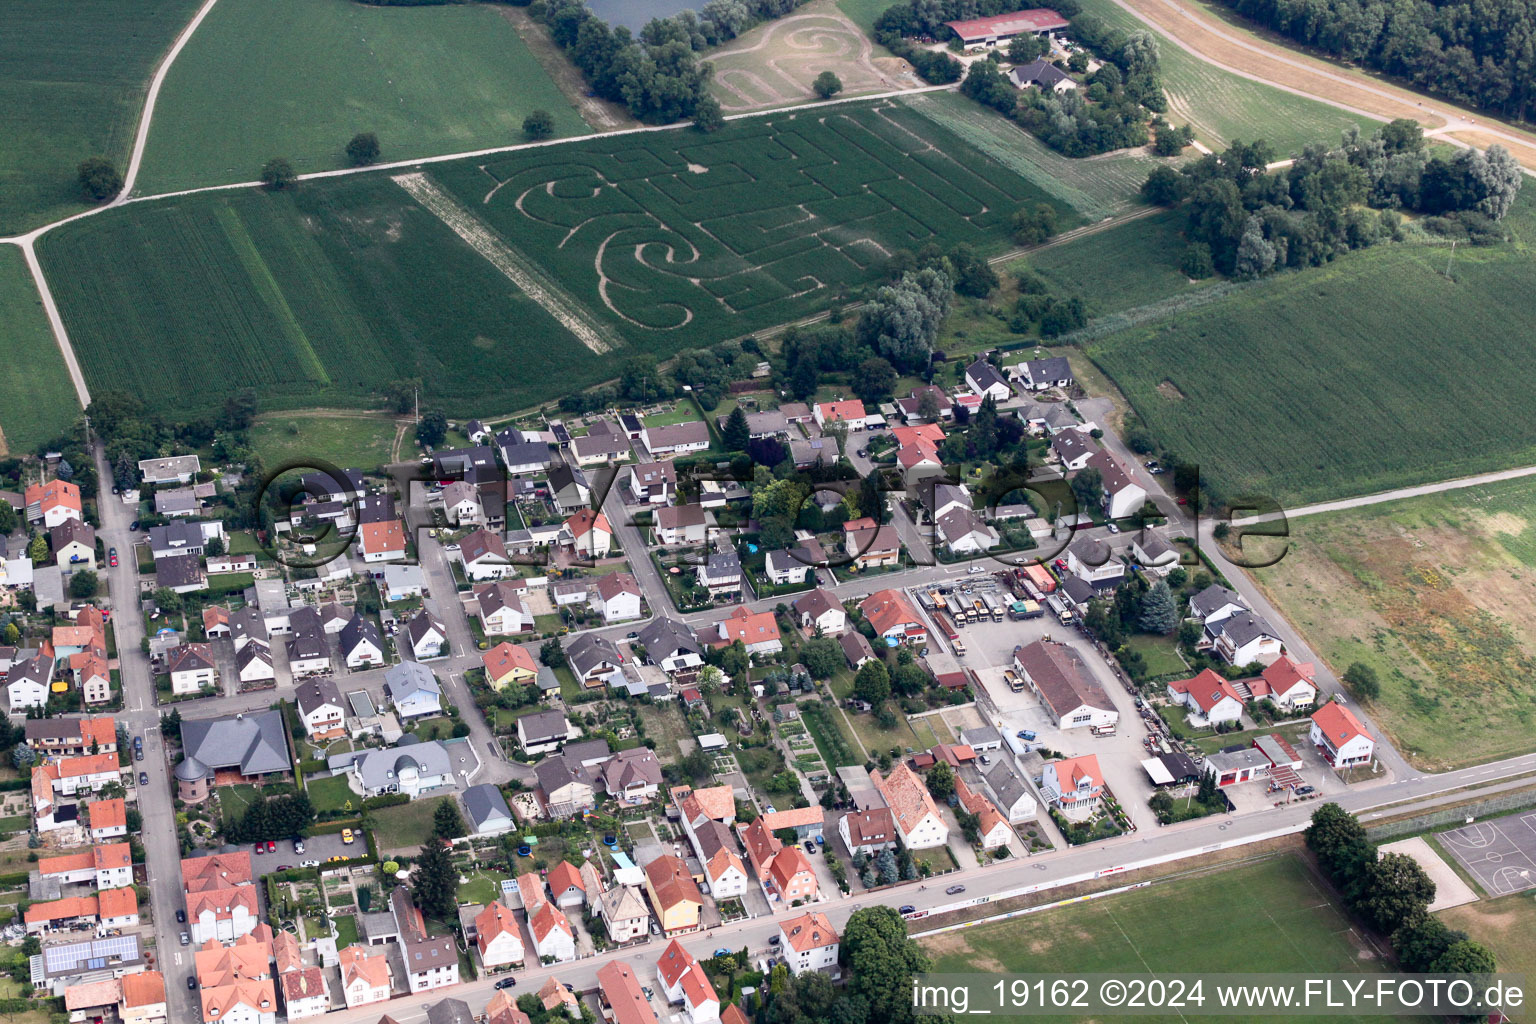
(348, 837)
(138, 753)
(1111, 527)
(773, 940)
(191, 981)
(298, 845)
(134, 526)
(143, 778)
(285, 867)
(1026, 734)
(954, 890)
(186, 940)
(181, 917)
(112, 557)
(722, 952)
(507, 983)
(1304, 790)
(906, 908)
(138, 742)
(973, 570)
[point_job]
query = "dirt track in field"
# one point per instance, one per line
(1208, 37)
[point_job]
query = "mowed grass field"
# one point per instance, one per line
(298, 78)
(37, 399)
(317, 297)
(1096, 188)
(653, 242)
(1507, 926)
(73, 74)
(1204, 924)
(1224, 107)
(1373, 372)
(348, 441)
(1434, 593)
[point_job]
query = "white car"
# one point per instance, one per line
(1111, 527)
(973, 570)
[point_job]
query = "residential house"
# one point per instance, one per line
(1123, 496)
(498, 938)
(1210, 698)
(507, 664)
(253, 663)
(1154, 554)
(176, 501)
(893, 617)
(401, 583)
(1073, 784)
(255, 742)
(542, 731)
(1215, 603)
(1010, 792)
(381, 542)
(184, 537)
(1060, 677)
(74, 544)
(850, 412)
(632, 777)
(108, 819)
(671, 645)
(594, 660)
(768, 423)
(86, 773)
(856, 649)
(871, 546)
(486, 810)
(985, 380)
(306, 990)
(180, 573)
(758, 632)
(820, 612)
(426, 636)
(364, 979)
(1339, 736)
(1041, 374)
(654, 483)
(721, 575)
(604, 442)
(484, 556)
(624, 914)
(430, 962)
(1289, 685)
(191, 668)
(143, 998)
(966, 533)
(623, 998)
(589, 534)
(522, 454)
(344, 485)
(414, 690)
(501, 609)
(676, 438)
(1244, 638)
(360, 643)
(674, 895)
(220, 896)
(867, 831)
(991, 826)
(565, 885)
(176, 469)
(88, 735)
(680, 525)
(1073, 448)
(809, 943)
(782, 869)
(568, 488)
(565, 786)
(683, 981)
(617, 596)
(320, 709)
(554, 940)
(913, 811)
(52, 502)
(462, 505)
(940, 408)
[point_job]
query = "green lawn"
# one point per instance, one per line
(1267, 389)
(406, 826)
(298, 78)
(346, 930)
(73, 74)
(683, 412)
(1224, 107)
(1161, 653)
(18, 823)
(233, 800)
(37, 399)
(1196, 924)
(1507, 926)
(332, 794)
(483, 886)
(343, 441)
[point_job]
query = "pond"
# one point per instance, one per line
(635, 13)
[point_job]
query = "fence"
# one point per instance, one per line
(1457, 815)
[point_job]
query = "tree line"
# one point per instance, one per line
(1391, 894)
(1246, 220)
(656, 75)
(1479, 54)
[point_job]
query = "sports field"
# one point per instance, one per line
(73, 74)
(37, 400)
(318, 297)
(506, 282)
(1202, 924)
(1434, 594)
(1224, 107)
(298, 78)
(1373, 372)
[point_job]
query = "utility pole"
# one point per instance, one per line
(1448, 260)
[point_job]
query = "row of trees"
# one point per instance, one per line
(1478, 54)
(275, 817)
(1247, 220)
(1392, 894)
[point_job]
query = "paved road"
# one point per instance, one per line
(1385, 496)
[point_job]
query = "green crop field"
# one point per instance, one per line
(73, 74)
(648, 242)
(1347, 379)
(298, 78)
(1096, 266)
(1224, 107)
(1095, 188)
(316, 297)
(37, 400)
(1433, 593)
(1200, 924)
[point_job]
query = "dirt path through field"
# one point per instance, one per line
(528, 278)
(1232, 49)
(602, 115)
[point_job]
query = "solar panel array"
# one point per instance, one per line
(91, 956)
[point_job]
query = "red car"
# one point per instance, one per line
(112, 557)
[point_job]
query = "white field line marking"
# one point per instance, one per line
(468, 227)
